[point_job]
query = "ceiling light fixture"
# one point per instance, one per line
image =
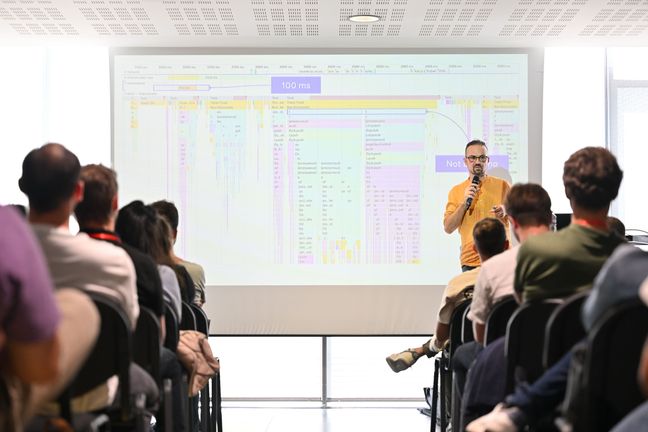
(364, 19)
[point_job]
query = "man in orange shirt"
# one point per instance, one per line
(471, 201)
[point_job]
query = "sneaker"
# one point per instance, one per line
(403, 360)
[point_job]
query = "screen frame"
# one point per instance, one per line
(326, 310)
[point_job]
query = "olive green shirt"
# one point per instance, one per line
(559, 264)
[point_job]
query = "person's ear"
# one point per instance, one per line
(114, 203)
(79, 189)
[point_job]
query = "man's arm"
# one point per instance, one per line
(453, 220)
(442, 334)
(478, 332)
(34, 362)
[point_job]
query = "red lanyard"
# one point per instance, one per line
(592, 223)
(105, 236)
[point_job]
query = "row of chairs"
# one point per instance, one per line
(116, 347)
(538, 334)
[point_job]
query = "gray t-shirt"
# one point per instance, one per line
(619, 280)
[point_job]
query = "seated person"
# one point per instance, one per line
(562, 263)
(169, 212)
(528, 208)
(618, 281)
(490, 239)
(51, 181)
(44, 336)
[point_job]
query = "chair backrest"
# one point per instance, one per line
(498, 318)
(466, 327)
(614, 350)
(172, 325)
(188, 321)
(456, 326)
(110, 356)
(146, 347)
(202, 322)
(525, 341)
(564, 329)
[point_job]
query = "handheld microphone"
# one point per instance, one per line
(475, 181)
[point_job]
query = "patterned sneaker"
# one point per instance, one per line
(403, 360)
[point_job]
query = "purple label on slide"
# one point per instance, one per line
(283, 85)
(455, 163)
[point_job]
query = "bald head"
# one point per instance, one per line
(49, 176)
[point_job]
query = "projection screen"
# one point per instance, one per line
(311, 186)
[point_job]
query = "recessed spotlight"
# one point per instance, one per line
(364, 19)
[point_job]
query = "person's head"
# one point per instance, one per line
(592, 178)
(50, 179)
(616, 226)
(489, 235)
(169, 212)
(476, 157)
(140, 226)
(99, 205)
(528, 205)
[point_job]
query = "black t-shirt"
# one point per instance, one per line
(149, 285)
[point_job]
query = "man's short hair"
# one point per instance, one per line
(168, 211)
(49, 175)
(473, 143)
(489, 235)
(99, 192)
(592, 178)
(529, 204)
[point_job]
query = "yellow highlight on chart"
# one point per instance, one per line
(185, 77)
(227, 104)
(501, 103)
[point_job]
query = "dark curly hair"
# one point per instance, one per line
(529, 204)
(592, 178)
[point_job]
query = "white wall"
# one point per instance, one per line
(52, 95)
(573, 112)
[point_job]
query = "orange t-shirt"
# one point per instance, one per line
(491, 193)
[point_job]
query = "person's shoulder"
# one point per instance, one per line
(192, 266)
(101, 251)
(503, 259)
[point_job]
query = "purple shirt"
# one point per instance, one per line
(28, 310)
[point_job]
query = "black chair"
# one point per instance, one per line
(172, 325)
(442, 385)
(613, 353)
(564, 329)
(146, 353)
(110, 356)
(525, 341)
(210, 421)
(498, 318)
(188, 321)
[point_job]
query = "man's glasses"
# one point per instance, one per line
(473, 159)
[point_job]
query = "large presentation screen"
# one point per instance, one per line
(319, 169)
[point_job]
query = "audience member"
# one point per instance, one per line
(489, 240)
(50, 179)
(96, 215)
(528, 208)
(44, 336)
(141, 227)
(169, 211)
(616, 226)
(565, 262)
(567, 257)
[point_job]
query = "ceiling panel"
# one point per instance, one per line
(324, 23)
